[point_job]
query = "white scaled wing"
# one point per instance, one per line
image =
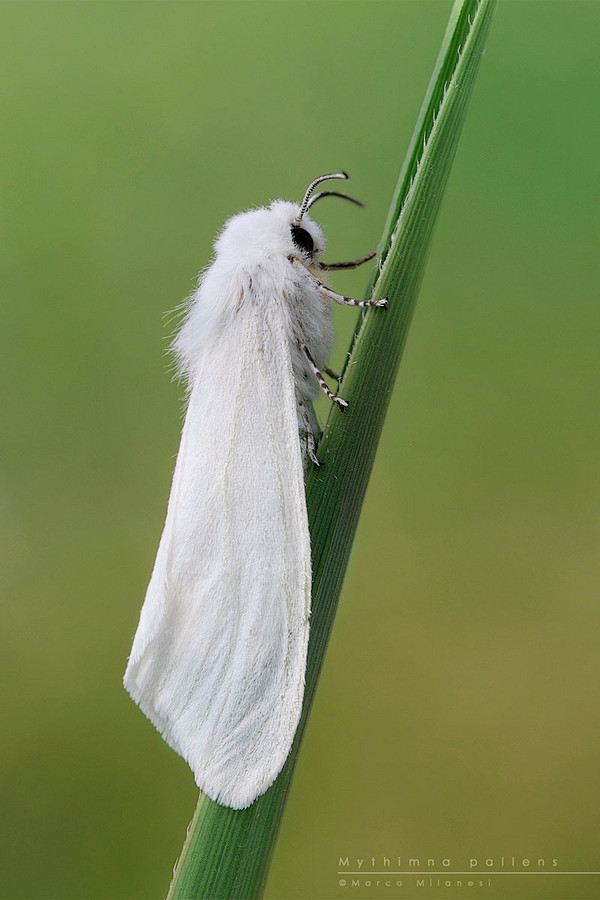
(219, 656)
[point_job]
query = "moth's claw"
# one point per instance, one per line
(314, 459)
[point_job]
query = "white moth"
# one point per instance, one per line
(219, 656)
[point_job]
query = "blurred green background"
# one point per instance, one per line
(457, 715)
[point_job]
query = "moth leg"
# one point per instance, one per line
(348, 301)
(322, 383)
(339, 298)
(310, 438)
(329, 267)
(332, 374)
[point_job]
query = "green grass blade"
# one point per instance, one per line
(227, 852)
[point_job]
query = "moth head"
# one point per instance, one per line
(307, 238)
(283, 228)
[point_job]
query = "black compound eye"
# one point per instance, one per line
(302, 239)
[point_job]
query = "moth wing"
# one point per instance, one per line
(219, 657)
